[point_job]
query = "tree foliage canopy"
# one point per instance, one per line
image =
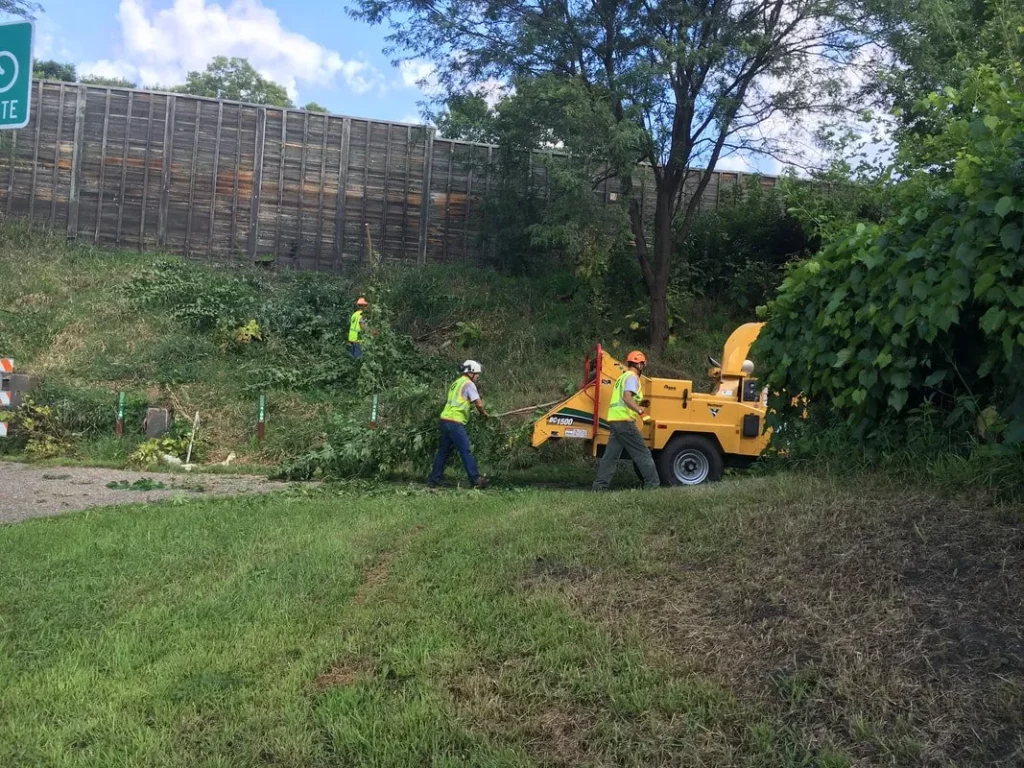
(693, 81)
(929, 305)
(24, 8)
(234, 79)
(110, 82)
(54, 70)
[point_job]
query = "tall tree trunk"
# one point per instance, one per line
(655, 264)
(662, 261)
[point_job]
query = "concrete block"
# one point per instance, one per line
(21, 384)
(158, 422)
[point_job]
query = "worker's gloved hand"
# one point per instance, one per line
(647, 419)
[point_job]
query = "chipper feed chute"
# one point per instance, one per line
(575, 417)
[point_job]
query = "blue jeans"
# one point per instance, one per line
(454, 435)
(357, 350)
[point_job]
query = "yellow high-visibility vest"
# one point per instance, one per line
(618, 410)
(457, 406)
(354, 326)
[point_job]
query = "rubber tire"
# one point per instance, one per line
(666, 458)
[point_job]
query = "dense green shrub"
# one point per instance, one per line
(736, 253)
(927, 307)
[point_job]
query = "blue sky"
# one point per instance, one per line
(311, 46)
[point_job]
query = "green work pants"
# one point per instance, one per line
(626, 437)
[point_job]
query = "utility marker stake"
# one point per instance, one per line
(192, 440)
(119, 424)
(261, 421)
(373, 412)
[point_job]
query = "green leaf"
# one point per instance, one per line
(898, 399)
(993, 320)
(991, 122)
(883, 359)
(1004, 206)
(935, 378)
(986, 281)
(859, 396)
(1010, 236)
(843, 357)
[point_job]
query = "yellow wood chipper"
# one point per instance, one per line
(692, 435)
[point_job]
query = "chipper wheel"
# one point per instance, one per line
(690, 460)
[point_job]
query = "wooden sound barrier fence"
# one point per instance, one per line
(226, 181)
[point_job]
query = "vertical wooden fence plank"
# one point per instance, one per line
(145, 173)
(52, 219)
(124, 167)
(469, 202)
(387, 185)
(234, 191)
(320, 181)
(12, 156)
(77, 149)
(165, 176)
(192, 178)
(339, 213)
(257, 182)
(302, 182)
(216, 170)
(35, 156)
(280, 182)
(448, 199)
(428, 163)
(366, 193)
(103, 168)
(405, 197)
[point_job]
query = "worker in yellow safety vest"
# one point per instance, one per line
(461, 395)
(356, 326)
(627, 394)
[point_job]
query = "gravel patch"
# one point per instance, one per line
(27, 491)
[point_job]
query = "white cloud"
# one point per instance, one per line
(419, 73)
(159, 47)
(47, 43)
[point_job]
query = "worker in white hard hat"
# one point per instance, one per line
(461, 395)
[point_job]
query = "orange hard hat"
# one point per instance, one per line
(636, 356)
(362, 302)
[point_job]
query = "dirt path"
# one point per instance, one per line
(27, 491)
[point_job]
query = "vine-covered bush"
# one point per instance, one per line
(929, 305)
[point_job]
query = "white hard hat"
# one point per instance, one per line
(472, 366)
(747, 367)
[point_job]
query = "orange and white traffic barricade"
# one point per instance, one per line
(6, 369)
(5, 403)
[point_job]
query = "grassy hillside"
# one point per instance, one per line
(164, 330)
(785, 621)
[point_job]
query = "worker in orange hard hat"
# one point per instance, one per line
(627, 394)
(356, 327)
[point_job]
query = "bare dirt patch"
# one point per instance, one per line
(377, 574)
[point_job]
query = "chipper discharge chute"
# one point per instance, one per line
(692, 435)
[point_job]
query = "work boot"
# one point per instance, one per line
(481, 483)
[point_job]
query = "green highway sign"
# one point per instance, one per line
(15, 73)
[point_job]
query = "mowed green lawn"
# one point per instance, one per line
(779, 621)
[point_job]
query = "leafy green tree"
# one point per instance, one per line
(22, 8)
(54, 70)
(928, 306)
(936, 44)
(314, 107)
(469, 117)
(692, 80)
(110, 82)
(234, 79)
